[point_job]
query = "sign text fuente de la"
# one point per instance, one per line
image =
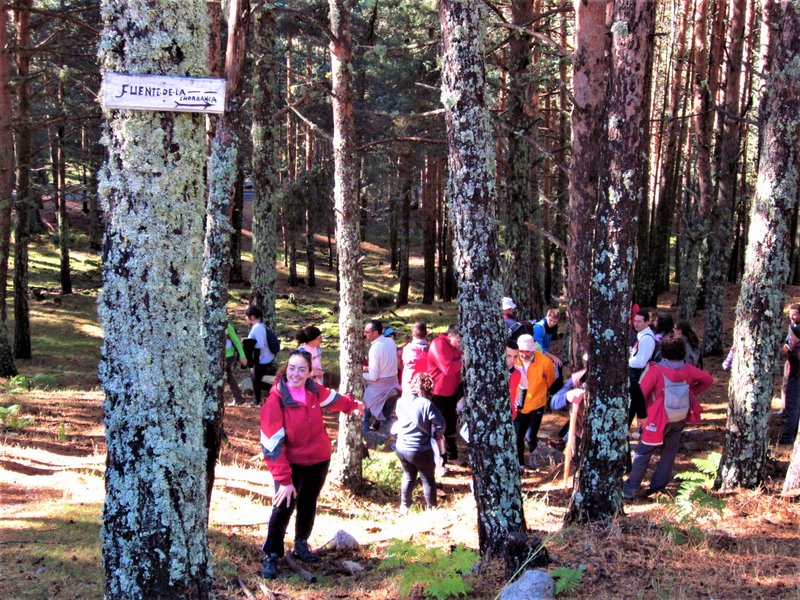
(163, 92)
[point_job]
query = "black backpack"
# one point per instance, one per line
(273, 343)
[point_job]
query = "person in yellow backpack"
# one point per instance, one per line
(540, 373)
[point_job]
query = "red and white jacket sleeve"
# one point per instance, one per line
(273, 439)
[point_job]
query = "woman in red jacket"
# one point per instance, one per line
(670, 389)
(297, 451)
(444, 365)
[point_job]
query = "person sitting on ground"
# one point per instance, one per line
(418, 422)
(297, 451)
(683, 329)
(310, 340)
(671, 388)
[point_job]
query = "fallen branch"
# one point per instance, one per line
(248, 594)
(297, 568)
(267, 592)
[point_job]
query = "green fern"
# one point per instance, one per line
(439, 573)
(11, 420)
(566, 579)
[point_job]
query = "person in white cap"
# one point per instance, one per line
(509, 306)
(540, 373)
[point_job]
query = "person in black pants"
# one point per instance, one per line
(418, 422)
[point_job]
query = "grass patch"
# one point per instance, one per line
(52, 555)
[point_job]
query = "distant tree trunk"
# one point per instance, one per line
(313, 204)
(223, 170)
(265, 180)
(759, 313)
(591, 68)
(429, 229)
(393, 220)
(6, 171)
(346, 466)
(61, 198)
(517, 268)
(236, 274)
(155, 541)
(473, 209)
(665, 209)
(24, 202)
(406, 189)
(597, 493)
(720, 242)
(701, 124)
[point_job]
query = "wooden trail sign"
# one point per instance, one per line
(164, 93)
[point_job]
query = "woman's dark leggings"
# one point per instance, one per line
(307, 481)
(447, 406)
(421, 463)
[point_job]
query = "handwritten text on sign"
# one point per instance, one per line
(163, 92)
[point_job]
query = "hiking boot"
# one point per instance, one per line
(302, 552)
(269, 566)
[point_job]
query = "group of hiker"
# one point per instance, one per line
(413, 392)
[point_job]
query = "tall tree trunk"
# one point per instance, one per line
(6, 167)
(346, 466)
(406, 188)
(473, 210)
(63, 218)
(591, 68)
(24, 202)
(312, 203)
(155, 541)
(265, 179)
(236, 274)
(429, 229)
(223, 171)
(759, 311)
(720, 242)
(597, 494)
(516, 267)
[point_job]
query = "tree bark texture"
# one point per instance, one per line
(61, 198)
(516, 266)
(405, 190)
(24, 201)
(597, 494)
(236, 274)
(155, 542)
(473, 214)
(759, 312)
(346, 466)
(591, 68)
(223, 168)
(264, 162)
(721, 217)
(429, 229)
(6, 175)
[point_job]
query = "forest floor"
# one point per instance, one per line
(51, 480)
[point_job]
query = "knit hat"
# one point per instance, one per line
(508, 303)
(526, 343)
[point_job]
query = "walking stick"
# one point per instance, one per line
(573, 417)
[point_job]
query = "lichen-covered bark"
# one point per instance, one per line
(346, 465)
(222, 174)
(591, 67)
(597, 494)
(516, 266)
(265, 236)
(472, 197)
(720, 243)
(405, 189)
(155, 541)
(24, 201)
(759, 312)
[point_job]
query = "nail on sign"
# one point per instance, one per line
(163, 92)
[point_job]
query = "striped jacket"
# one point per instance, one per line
(295, 434)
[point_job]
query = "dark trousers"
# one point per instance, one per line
(257, 373)
(663, 472)
(638, 406)
(230, 366)
(417, 463)
(447, 406)
(791, 411)
(307, 481)
(522, 424)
